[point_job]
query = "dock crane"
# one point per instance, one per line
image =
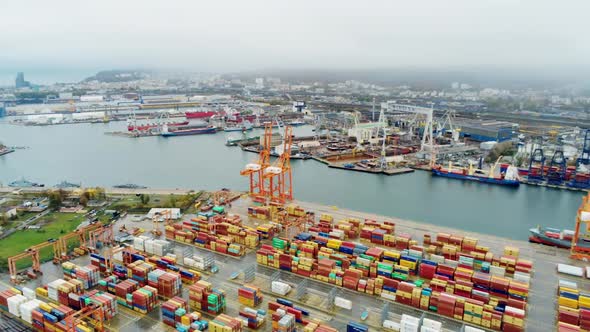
(92, 314)
(557, 168)
(278, 177)
(103, 235)
(536, 166)
(254, 171)
(81, 234)
(580, 179)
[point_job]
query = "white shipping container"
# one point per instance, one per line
(14, 303)
(428, 329)
(521, 276)
(280, 288)
(585, 216)
(571, 270)
(438, 259)
(472, 329)
(497, 271)
(568, 284)
(388, 296)
(408, 327)
(432, 324)
(391, 325)
(342, 303)
(29, 293)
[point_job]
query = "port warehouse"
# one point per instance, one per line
(376, 236)
(485, 130)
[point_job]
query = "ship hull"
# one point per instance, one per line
(537, 236)
(199, 115)
(150, 126)
(482, 179)
(188, 132)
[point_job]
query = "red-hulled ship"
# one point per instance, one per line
(199, 114)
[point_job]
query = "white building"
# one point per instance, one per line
(92, 98)
(259, 83)
(174, 213)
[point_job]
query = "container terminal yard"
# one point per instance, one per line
(538, 296)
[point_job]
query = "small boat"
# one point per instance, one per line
(235, 275)
(66, 184)
(214, 269)
(365, 314)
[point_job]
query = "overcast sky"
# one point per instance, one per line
(221, 35)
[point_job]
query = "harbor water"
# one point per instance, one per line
(82, 153)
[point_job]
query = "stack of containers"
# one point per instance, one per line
(168, 284)
(173, 310)
(225, 323)
(252, 318)
(191, 322)
(197, 262)
(318, 327)
(14, 303)
(98, 261)
(52, 289)
(26, 310)
(249, 295)
(280, 287)
(65, 289)
(108, 284)
(205, 298)
(105, 301)
(139, 270)
(124, 292)
(89, 275)
(281, 320)
(139, 242)
(5, 295)
(144, 299)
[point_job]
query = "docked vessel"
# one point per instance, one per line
(233, 141)
(66, 184)
(187, 130)
(199, 114)
(508, 178)
(147, 126)
(129, 186)
(244, 126)
(25, 183)
(553, 237)
(296, 123)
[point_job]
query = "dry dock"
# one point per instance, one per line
(313, 295)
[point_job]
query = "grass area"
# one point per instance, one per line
(133, 202)
(57, 225)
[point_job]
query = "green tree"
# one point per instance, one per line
(3, 219)
(145, 199)
(55, 199)
(84, 200)
(172, 201)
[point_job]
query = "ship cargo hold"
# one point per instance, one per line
(187, 131)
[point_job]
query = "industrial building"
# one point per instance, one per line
(484, 131)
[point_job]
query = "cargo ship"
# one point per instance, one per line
(508, 178)
(147, 126)
(244, 126)
(553, 237)
(188, 130)
(25, 183)
(199, 114)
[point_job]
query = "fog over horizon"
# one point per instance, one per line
(233, 36)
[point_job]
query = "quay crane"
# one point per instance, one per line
(581, 180)
(278, 177)
(557, 168)
(255, 170)
(537, 165)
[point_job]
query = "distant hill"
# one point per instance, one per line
(109, 76)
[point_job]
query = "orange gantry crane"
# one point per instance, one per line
(92, 314)
(582, 231)
(278, 177)
(33, 254)
(255, 170)
(81, 234)
(166, 215)
(103, 234)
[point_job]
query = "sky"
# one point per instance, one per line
(245, 35)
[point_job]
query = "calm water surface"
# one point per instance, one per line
(83, 153)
